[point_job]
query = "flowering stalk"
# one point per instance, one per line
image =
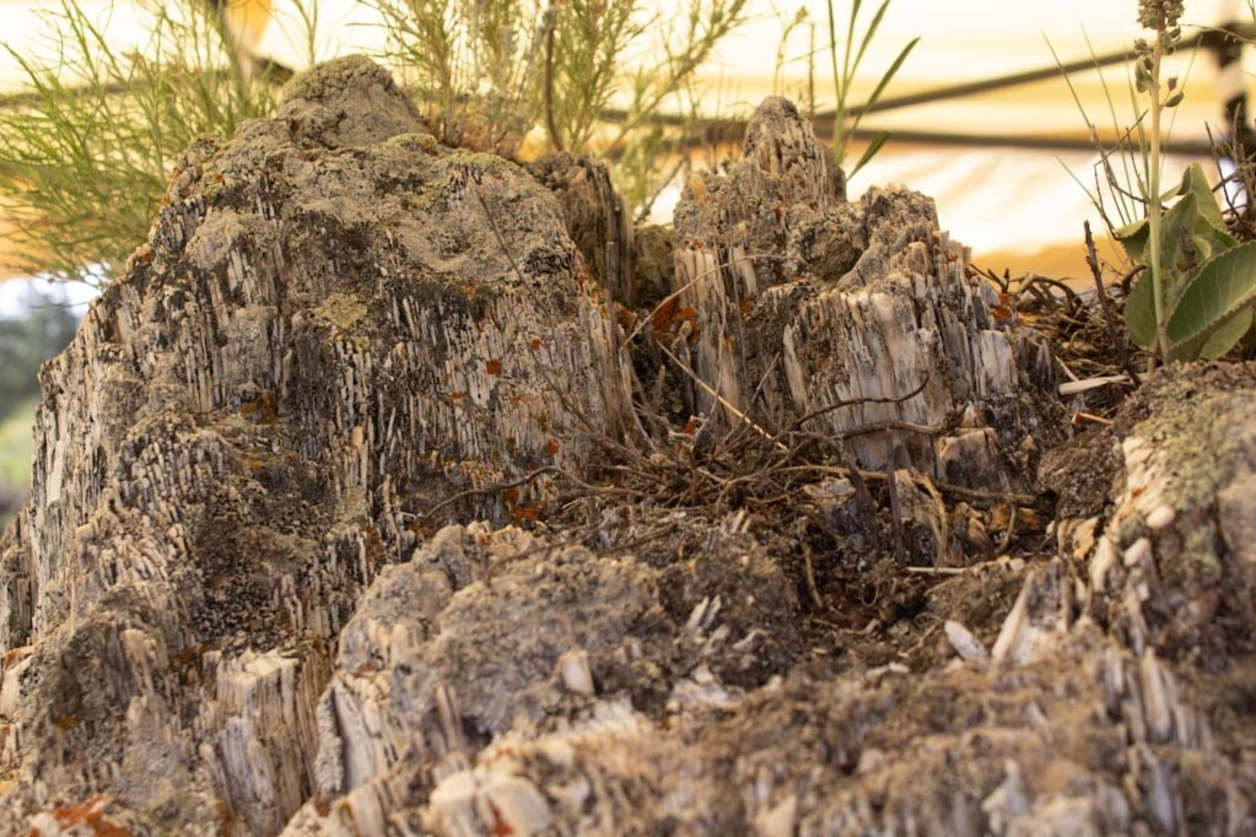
(1161, 16)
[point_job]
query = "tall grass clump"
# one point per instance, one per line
(489, 73)
(845, 53)
(1195, 293)
(87, 147)
(845, 119)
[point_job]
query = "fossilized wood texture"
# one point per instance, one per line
(231, 605)
(596, 217)
(336, 324)
(806, 308)
(491, 685)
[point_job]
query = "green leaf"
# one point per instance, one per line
(1134, 238)
(870, 151)
(1195, 182)
(1140, 312)
(1224, 339)
(1222, 289)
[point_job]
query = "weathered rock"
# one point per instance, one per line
(1063, 727)
(232, 604)
(337, 324)
(859, 322)
(596, 217)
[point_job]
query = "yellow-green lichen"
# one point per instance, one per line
(341, 310)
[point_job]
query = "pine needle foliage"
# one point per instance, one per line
(86, 149)
(489, 73)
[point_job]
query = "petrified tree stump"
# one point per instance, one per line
(855, 321)
(233, 603)
(336, 325)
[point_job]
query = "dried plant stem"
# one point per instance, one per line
(1109, 318)
(1153, 203)
(721, 400)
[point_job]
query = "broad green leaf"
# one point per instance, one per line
(1133, 238)
(1224, 338)
(1140, 312)
(1222, 289)
(1197, 211)
(1195, 182)
(1176, 228)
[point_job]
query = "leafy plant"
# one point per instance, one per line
(1196, 293)
(844, 124)
(1208, 279)
(86, 149)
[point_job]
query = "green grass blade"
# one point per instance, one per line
(848, 68)
(870, 33)
(889, 74)
(870, 151)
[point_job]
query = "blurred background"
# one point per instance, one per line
(1003, 161)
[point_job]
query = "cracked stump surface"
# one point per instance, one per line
(360, 508)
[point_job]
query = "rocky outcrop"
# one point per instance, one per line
(1107, 699)
(338, 333)
(857, 321)
(369, 501)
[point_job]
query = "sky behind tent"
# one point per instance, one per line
(998, 200)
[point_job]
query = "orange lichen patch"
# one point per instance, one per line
(14, 656)
(552, 447)
(627, 319)
(536, 344)
(87, 817)
(261, 410)
(1005, 310)
(499, 827)
(366, 669)
(664, 315)
(493, 367)
(224, 818)
(521, 512)
(670, 314)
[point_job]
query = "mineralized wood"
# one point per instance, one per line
(858, 321)
(233, 604)
(336, 325)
